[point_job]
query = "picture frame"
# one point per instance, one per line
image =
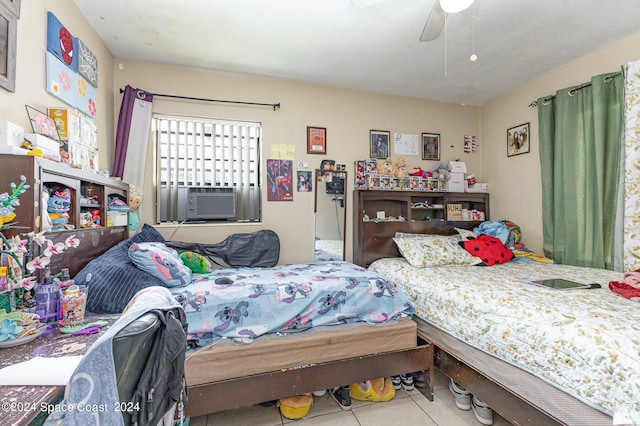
(8, 44)
(13, 6)
(431, 146)
(316, 140)
(379, 143)
(518, 140)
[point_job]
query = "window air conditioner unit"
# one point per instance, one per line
(200, 203)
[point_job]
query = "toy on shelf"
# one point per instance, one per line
(135, 198)
(86, 219)
(95, 218)
(442, 170)
(58, 209)
(417, 171)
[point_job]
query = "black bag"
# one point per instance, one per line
(162, 381)
(256, 249)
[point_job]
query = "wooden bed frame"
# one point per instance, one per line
(213, 397)
(516, 395)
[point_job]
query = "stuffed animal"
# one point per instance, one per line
(58, 207)
(384, 166)
(400, 168)
(442, 170)
(417, 171)
(135, 198)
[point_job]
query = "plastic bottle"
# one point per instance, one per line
(48, 299)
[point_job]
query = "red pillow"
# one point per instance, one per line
(488, 248)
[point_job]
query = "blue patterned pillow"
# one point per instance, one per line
(113, 279)
(160, 261)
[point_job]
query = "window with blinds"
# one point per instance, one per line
(213, 164)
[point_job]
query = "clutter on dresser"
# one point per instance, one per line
(385, 174)
(25, 282)
(63, 135)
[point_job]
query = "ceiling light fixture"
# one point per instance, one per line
(473, 57)
(455, 6)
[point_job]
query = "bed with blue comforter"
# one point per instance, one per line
(244, 303)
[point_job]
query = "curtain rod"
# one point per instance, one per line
(607, 79)
(275, 106)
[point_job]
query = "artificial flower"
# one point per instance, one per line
(52, 249)
(18, 245)
(39, 262)
(9, 329)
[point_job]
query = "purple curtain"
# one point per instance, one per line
(132, 135)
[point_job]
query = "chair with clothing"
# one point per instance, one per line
(134, 373)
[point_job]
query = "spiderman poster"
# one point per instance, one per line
(61, 43)
(279, 180)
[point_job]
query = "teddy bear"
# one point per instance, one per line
(399, 169)
(384, 166)
(442, 170)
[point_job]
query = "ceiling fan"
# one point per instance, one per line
(435, 22)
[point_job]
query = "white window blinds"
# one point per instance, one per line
(209, 156)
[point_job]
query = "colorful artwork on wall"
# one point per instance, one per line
(70, 87)
(279, 180)
(61, 43)
(87, 63)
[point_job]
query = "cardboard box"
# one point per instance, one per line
(42, 142)
(67, 121)
(454, 211)
(455, 183)
(477, 187)
(11, 134)
(458, 167)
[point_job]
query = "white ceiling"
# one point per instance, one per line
(367, 45)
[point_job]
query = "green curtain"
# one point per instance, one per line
(581, 153)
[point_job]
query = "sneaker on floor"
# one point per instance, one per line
(407, 381)
(483, 413)
(460, 395)
(319, 392)
(397, 382)
(342, 396)
(419, 379)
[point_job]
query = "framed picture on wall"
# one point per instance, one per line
(379, 143)
(13, 6)
(431, 146)
(518, 140)
(8, 32)
(316, 140)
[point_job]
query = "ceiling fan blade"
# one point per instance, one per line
(363, 4)
(435, 23)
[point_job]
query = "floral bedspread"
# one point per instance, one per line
(244, 303)
(585, 342)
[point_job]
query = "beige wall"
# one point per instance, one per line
(514, 182)
(31, 72)
(348, 116)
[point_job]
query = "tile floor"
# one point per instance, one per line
(407, 408)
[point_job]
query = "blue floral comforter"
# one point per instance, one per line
(249, 302)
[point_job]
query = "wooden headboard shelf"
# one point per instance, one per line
(374, 240)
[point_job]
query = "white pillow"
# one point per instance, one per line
(434, 251)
